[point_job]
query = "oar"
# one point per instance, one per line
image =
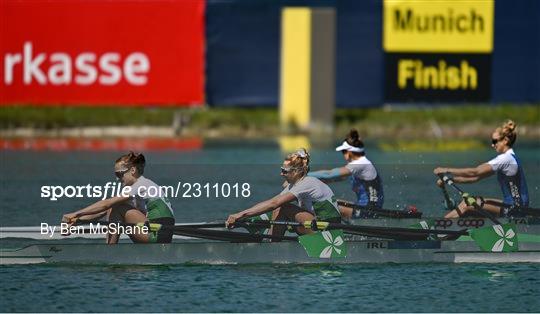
(198, 230)
(449, 203)
(381, 212)
(370, 231)
(469, 199)
(224, 235)
(487, 238)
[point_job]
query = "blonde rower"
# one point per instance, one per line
(509, 174)
(315, 199)
(137, 207)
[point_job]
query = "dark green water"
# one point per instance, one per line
(408, 179)
(266, 288)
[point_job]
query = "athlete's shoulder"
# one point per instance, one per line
(360, 161)
(310, 180)
(509, 156)
(143, 181)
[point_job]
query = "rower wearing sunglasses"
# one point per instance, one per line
(365, 179)
(145, 202)
(315, 199)
(509, 172)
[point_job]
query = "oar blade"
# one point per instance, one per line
(496, 238)
(324, 244)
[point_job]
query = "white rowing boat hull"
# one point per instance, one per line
(208, 252)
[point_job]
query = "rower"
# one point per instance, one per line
(315, 199)
(139, 206)
(510, 175)
(365, 180)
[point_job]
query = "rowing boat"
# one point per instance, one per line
(431, 240)
(215, 252)
(524, 225)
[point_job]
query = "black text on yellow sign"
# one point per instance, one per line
(438, 26)
(437, 77)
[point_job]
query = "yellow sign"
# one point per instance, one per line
(442, 76)
(296, 66)
(438, 25)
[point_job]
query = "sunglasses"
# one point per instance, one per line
(120, 173)
(494, 141)
(287, 170)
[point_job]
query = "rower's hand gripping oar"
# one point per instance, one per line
(470, 200)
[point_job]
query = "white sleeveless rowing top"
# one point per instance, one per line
(511, 179)
(362, 168)
(366, 182)
(314, 196)
(149, 198)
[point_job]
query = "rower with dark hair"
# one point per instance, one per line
(365, 179)
(146, 202)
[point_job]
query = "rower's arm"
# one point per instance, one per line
(335, 174)
(467, 175)
(267, 205)
(92, 217)
(98, 207)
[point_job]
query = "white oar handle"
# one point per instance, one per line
(448, 179)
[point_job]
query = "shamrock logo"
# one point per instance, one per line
(424, 224)
(334, 244)
(505, 238)
(430, 226)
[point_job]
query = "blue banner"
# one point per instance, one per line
(243, 52)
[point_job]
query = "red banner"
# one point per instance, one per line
(102, 52)
(94, 144)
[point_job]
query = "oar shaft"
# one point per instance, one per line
(201, 230)
(449, 203)
(322, 225)
(225, 235)
(380, 211)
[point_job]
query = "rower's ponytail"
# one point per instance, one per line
(508, 130)
(353, 139)
(132, 159)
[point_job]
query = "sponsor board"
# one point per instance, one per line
(438, 77)
(97, 144)
(102, 52)
(438, 26)
(438, 51)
